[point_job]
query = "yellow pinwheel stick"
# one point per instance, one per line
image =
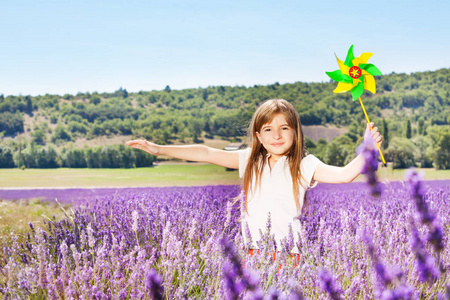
(368, 121)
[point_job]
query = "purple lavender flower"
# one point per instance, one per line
(383, 275)
(135, 218)
(116, 267)
(435, 235)
(425, 263)
(272, 294)
(236, 280)
(295, 293)
(329, 285)
(229, 210)
(400, 293)
(153, 285)
(242, 203)
(234, 285)
(415, 182)
(417, 192)
(231, 254)
(370, 154)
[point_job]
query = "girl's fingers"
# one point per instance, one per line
(374, 131)
(376, 135)
(138, 144)
(144, 145)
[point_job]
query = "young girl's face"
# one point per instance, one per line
(277, 137)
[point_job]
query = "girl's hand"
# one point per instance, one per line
(145, 146)
(374, 133)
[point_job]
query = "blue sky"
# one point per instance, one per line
(64, 46)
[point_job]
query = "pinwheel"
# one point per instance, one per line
(356, 75)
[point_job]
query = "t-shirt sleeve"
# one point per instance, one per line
(307, 168)
(244, 155)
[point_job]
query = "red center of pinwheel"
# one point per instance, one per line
(355, 72)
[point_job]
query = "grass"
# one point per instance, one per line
(15, 217)
(180, 174)
(388, 174)
(175, 174)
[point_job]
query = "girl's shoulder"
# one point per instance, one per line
(308, 166)
(244, 155)
(310, 162)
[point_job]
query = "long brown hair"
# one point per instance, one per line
(263, 115)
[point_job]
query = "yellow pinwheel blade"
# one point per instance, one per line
(362, 59)
(343, 87)
(344, 69)
(369, 83)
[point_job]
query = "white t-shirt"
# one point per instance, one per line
(275, 196)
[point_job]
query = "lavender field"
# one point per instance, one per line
(185, 242)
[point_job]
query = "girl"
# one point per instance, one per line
(276, 169)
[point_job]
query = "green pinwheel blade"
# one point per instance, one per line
(349, 58)
(371, 69)
(338, 76)
(358, 90)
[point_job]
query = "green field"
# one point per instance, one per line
(176, 174)
(180, 174)
(387, 174)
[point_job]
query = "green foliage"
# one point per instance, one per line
(335, 154)
(6, 157)
(408, 129)
(121, 93)
(401, 153)
(309, 143)
(440, 146)
(61, 134)
(77, 128)
(54, 118)
(47, 158)
(225, 111)
(385, 134)
(74, 158)
(421, 147)
(38, 136)
(421, 126)
(31, 155)
(320, 150)
(11, 123)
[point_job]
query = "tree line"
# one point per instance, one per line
(30, 155)
(421, 100)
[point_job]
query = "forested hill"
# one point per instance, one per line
(409, 105)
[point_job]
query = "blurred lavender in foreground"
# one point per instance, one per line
(426, 265)
(425, 262)
(370, 152)
(153, 285)
(416, 188)
(236, 279)
(387, 277)
(329, 285)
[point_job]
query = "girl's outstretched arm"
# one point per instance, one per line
(331, 174)
(200, 153)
